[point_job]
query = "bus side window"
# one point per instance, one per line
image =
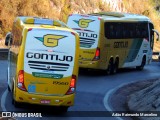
(127, 30)
(137, 30)
(144, 31)
(111, 31)
(132, 30)
(119, 31)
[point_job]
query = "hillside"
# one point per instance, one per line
(60, 9)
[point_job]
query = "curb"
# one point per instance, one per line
(111, 92)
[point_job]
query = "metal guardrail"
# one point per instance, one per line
(156, 53)
(4, 50)
(3, 53)
(156, 56)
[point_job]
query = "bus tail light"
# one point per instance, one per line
(73, 33)
(21, 80)
(99, 18)
(72, 86)
(30, 29)
(97, 55)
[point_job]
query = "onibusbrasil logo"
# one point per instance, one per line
(50, 40)
(83, 23)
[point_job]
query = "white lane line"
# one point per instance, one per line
(106, 100)
(3, 100)
(107, 103)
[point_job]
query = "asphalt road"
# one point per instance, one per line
(92, 88)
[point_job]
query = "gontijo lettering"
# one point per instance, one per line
(49, 57)
(121, 44)
(88, 35)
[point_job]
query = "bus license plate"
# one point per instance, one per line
(45, 101)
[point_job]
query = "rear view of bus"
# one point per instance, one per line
(88, 28)
(47, 64)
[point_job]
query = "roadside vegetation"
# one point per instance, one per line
(60, 9)
(148, 8)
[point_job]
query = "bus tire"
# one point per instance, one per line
(116, 66)
(15, 103)
(142, 64)
(110, 69)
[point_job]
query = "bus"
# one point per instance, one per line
(43, 62)
(113, 40)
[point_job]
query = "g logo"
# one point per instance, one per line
(50, 40)
(83, 23)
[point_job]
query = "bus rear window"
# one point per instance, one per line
(121, 30)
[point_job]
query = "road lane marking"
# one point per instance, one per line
(106, 100)
(3, 100)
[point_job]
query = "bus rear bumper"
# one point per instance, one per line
(25, 97)
(90, 65)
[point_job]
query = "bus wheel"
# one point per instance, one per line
(110, 69)
(116, 66)
(142, 64)
(15, 103)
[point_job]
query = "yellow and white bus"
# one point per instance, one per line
(112, 40)
(43, 62)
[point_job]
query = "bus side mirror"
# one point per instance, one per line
(157, 33)
(157, 39)
(8, 39)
